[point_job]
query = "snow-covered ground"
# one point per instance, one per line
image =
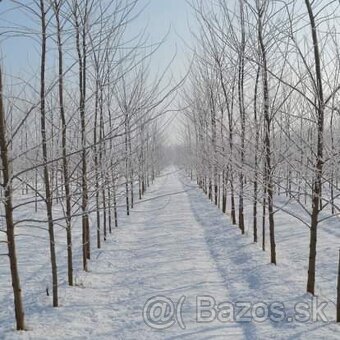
(175, 250)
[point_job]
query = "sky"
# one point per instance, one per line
(172, 19)
(175, 18)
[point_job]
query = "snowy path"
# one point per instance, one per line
(164, 252)
(175, 244)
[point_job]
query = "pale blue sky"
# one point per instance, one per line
(176, 15)
(20, 56)
(159, 16)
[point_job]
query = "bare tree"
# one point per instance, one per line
(57, 5)
(48, 194)
(7, 186)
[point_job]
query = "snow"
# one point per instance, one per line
(175, 244)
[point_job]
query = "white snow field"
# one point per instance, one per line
(175, 245)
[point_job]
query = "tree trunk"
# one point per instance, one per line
(82, 92)
(338, 294)
(264, 203)
(242, 117)
(96, 163)
(109, 210)
(64, 148)
(8, 205)
(317, 182)
(115, 212)
(127, 166)
(48, 196)
(257, 137)
(224, 192)
(267, 141)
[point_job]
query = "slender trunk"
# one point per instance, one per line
(231, 170)
(48, 196)
(257, 137)
(213, 140)
(64, 148)
(96, 162)
(264, 203)
(224, 193)
(333, 153)
(210, 186)
(232, 200)
(126, 166)
(131, 169)
(109, 210)
(36, 191)
(8, 205)
(219, 191)
(317, 182)
(115, 212)
(230, 108)
(82, 93)
(338, 294)
(242, 116)
(84, 156)
(104, 213)
(101, 155)
(267, 142)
